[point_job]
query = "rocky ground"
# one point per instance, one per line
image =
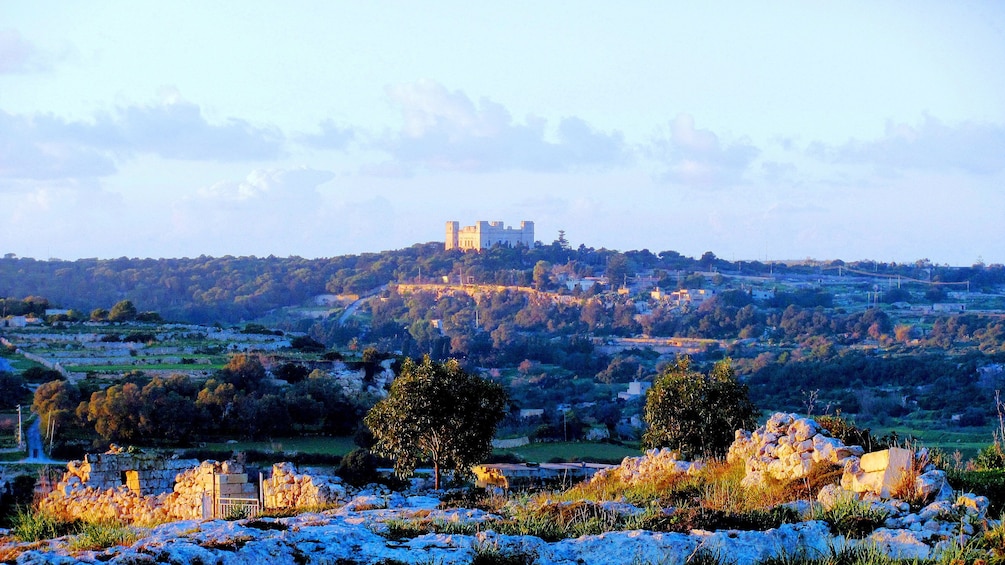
(361, 530)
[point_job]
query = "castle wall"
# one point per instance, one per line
(484, 235)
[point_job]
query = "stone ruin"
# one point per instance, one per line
(142, 473)
(788, 448)
(141, 488)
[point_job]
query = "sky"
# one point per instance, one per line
(755, 130)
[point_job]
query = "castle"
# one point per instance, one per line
(486, 234)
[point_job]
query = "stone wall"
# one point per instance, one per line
(94, 490)
(789, 448)
(145, 474)
(288, 489)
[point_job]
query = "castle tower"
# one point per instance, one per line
(452, 229)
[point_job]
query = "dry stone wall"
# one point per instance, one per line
(94, 489)
(788, 448)
(286, 488)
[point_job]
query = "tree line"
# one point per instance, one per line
(229, 289)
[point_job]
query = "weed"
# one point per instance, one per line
(34, 525)
(491, 554)
(266, 525)
(851, 517)
(101, 535)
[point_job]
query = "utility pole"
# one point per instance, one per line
(565, 424)
(20, 433)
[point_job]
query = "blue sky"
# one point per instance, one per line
(777, 130)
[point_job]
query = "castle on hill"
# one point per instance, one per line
(483, 235)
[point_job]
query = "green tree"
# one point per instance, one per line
(695, 413)
(55, 400)
(617, 270)
(115, 412)
(437, 411)
(123, 311)
(12, 389)
(542, 275)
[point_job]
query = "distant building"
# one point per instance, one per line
(635, 390)
(484, 235)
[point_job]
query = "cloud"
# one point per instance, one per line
(17, 55)
(177, 130)
(29, 151)
(695, 157)
(45, 146)
(332, 136)
(970, 147)
(447, 131)
(285, 185)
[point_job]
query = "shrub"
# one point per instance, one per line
(695, 413)
(846, 431)
(359, 467)
(983, 483)
(991, 457)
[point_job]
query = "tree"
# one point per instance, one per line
(12, 389)
(695, 413)
(123, 311)
(617, 270)
(542, 275)
(55, 400)
(437, 411)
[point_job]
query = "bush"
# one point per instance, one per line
(695, 413)
(989, 483)
(990, 458)
(849, 433)
(358, 468)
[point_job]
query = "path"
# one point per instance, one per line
(359, 302)
(36, 447)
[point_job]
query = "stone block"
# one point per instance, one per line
(231, 489)
(233, 478)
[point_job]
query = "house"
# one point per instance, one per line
(635, 390)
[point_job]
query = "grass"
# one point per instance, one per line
(140, 363)
(851, 517)
(101, 535)
(572, 451)
(32, 525)
(968, 443)
(320, 445)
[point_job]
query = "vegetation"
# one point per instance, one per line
(437, 411)
(696, 414)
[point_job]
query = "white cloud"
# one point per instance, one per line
(332, 136)
(445, 130)
(28, 150)
(269, 185)
(45, 146)
(696, 157)
(969, 147)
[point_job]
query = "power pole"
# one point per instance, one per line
(20, 436)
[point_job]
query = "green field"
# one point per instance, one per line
(139, 365)
(572, 450)
(967, 443)
(322, 445)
